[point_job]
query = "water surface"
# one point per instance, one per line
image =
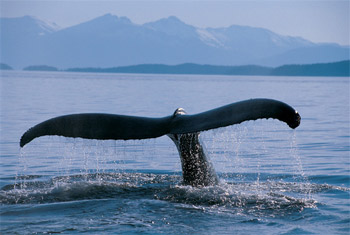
(274, 180)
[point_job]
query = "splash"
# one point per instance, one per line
(275, 198)
(259, 148)
(301, 176)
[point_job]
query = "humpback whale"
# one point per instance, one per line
(183, 130)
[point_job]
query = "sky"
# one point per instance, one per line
(315, 20)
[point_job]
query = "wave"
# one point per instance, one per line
(261, 196)
(82, 187)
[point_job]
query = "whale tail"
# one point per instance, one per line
(121, 127)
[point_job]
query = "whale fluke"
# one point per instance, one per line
(234, 114)
(122, 127)
(99, 126)
(181, 128)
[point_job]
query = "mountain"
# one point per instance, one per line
(21, 40)
(340, 69)
(188, 68)
(110, 41)
(27, 26)
(336, 69)
(323, 52)
(173, 26)
(40, 68)
(5, 67)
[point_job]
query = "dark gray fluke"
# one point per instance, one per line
(182, 129)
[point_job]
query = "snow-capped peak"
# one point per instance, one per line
(209, 38)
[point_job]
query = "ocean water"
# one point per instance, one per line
(273, 180)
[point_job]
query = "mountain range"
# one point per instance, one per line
(110, 41)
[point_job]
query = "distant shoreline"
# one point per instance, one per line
(334, 69)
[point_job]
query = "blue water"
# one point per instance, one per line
(274, 180)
